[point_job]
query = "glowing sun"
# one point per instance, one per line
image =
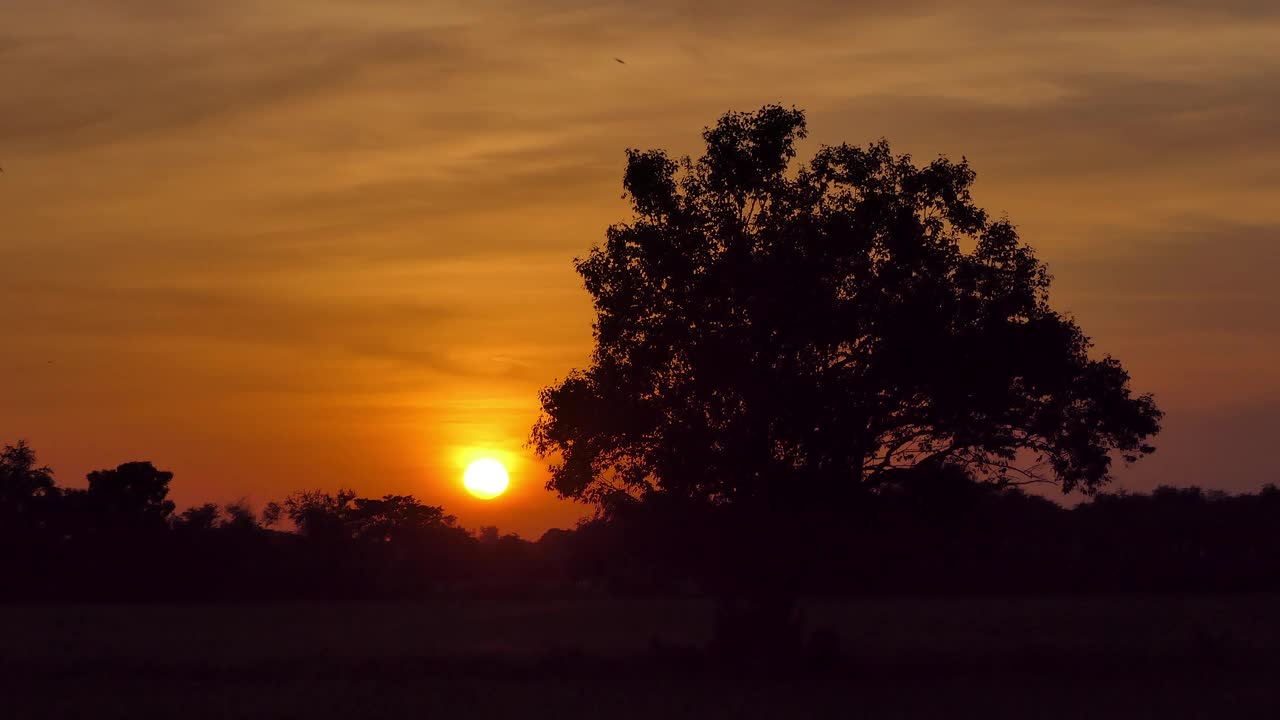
(486, 479)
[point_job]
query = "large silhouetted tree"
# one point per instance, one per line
(784, 335)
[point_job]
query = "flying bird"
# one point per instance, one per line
(620, 61)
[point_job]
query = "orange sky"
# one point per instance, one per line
(280, 244)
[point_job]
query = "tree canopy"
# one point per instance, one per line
(770, 331)
(23, 484)
(133, 494)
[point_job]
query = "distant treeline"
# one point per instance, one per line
(121, 538)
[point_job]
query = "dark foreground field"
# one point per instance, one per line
(1122, 657)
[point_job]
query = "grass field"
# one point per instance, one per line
(1130, 657)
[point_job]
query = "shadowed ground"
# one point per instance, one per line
(1128, 657)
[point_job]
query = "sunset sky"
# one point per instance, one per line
(283, 244)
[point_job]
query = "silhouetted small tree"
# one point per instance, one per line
(238, 516)
(393, 518)
(319, 515)
(24, 485)
(28, 507)
(199, 518)
(132, 496)
(271, 514)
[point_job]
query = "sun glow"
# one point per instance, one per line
(485, 478)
